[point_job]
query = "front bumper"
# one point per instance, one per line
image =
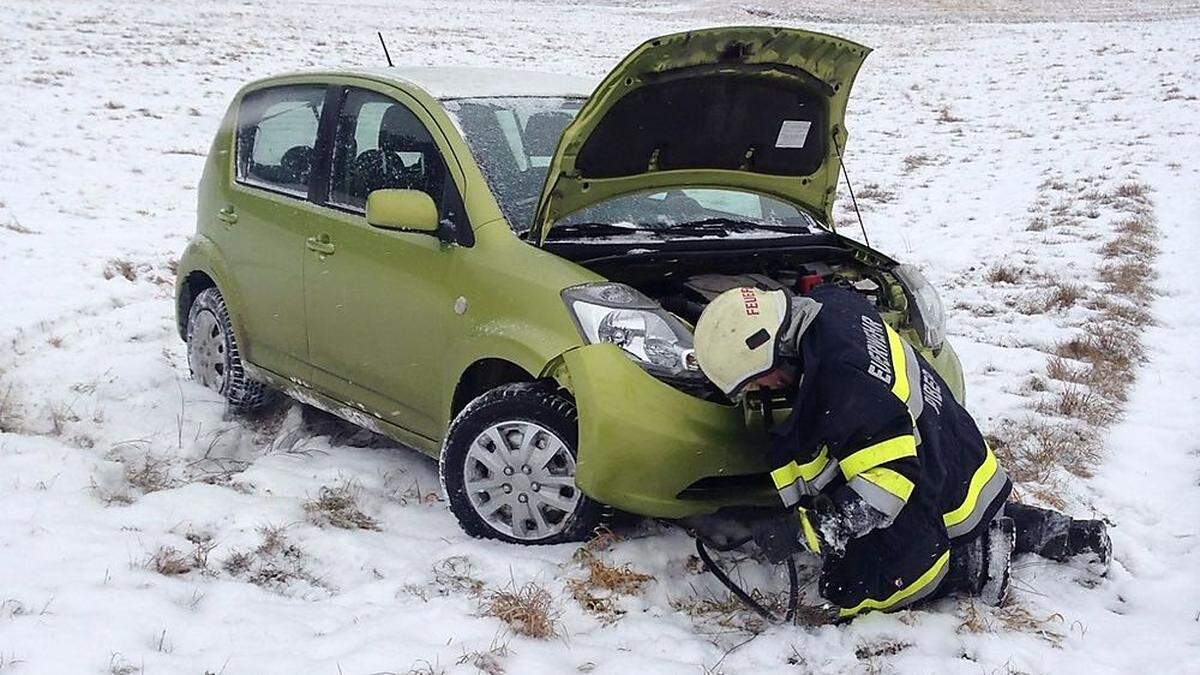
(648, 448)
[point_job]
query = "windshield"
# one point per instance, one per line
(710, 210)
(513, 140)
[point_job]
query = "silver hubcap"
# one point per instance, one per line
(520, 478)
(206, 351)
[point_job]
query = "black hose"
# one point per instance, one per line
(793, 590)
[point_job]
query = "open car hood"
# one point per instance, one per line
(756, 108)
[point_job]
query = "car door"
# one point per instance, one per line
(266, 218)
(376, 299)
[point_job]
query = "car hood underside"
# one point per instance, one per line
(755, 108)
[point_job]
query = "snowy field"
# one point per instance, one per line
(142, 530)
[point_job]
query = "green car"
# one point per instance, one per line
(501, 269)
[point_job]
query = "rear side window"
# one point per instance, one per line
(277, 137)
(380, 143)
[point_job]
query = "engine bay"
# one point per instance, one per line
(683, 283)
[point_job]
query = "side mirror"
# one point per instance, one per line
(411, 210)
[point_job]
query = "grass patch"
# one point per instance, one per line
(914, 162)
(274, 564)
(1064, 296)
(528, 610)
(1002, 274)
(170, 561)
(120, 268)
(12, 415)
(338, 507)
(598, 591)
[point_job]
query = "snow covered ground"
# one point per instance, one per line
(998, 156)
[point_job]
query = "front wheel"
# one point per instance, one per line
(508, 467)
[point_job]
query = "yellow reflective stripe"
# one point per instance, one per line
(931, 577)
(785, 475)
(880, 453)
(810, 470)
(900, 388)
(982, 475)
(889, 480)
(810, 533)
(788, 473)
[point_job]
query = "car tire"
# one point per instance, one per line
(213, 355)
(519, 492)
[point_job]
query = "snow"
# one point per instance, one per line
(965, 130)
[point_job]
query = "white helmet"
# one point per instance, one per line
(736, 336)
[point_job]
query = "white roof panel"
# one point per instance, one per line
(444, 82)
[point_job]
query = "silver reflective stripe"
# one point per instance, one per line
(916, 399)
(881, 500)
(986, 496)
(791, 494)
(827, 474)
(924, 592)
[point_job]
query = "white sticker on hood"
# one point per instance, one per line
(792, 133)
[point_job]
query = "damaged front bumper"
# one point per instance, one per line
(650, 449)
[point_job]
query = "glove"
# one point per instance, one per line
(778, 538)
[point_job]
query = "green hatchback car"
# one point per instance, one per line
(501, 269)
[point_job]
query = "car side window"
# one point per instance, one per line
(277, 135)
(378, 144)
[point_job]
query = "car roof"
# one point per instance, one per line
(450, 82)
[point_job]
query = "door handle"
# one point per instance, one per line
(321, 244)
(228, 215)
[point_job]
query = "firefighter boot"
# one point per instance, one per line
(980, 567)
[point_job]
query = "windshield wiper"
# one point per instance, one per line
(743, 225)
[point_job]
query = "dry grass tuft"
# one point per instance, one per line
(11, 412)
(616, 579)
(1129, 278)
(274, 564)
(872, 650)
(1078, 403)
(151, 474)
(170, 561)
(1032, 450)
(597, 592)
(338, 507)
(1064, 296)
(978, 618)
(945, 115)
(1133, 246)
(914, 162)
(123, 268)
(528, 610)
(489, 661)
(1131, 190)
(1002, 274)
(873, 192)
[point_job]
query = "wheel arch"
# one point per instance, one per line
(483, 375)
(190, 286)
(202, 266)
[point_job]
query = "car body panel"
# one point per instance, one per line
(643, 442)
(788, 60)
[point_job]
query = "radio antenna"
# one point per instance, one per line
(842, 161)
(385, 49)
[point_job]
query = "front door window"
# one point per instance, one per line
(380, 144)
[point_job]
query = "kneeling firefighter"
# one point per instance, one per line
(890, 480)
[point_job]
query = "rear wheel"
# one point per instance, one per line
(508, 467)
(213, 355)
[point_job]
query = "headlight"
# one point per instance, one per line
(927, 314)
(620, 314)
